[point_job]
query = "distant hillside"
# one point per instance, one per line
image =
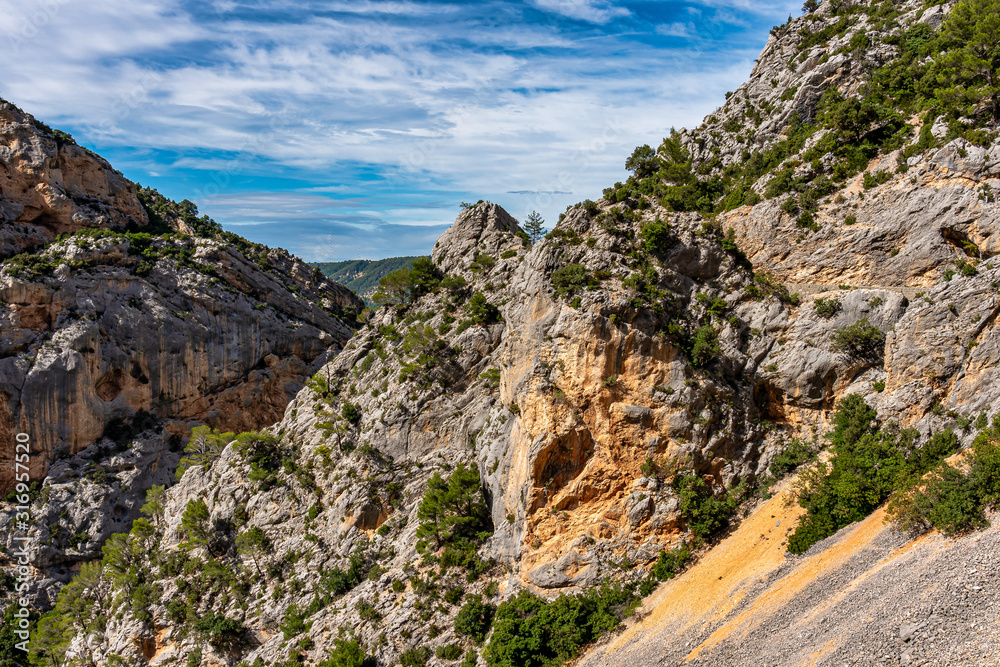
(361, 276)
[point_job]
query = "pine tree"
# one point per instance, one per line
(452, 511)
(253, 542)
(154, 507)
(972, 69)
(194, 522)
(533, 227)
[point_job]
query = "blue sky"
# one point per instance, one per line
(346, 129)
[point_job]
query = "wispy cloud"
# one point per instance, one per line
(282, 114)
(593, 11)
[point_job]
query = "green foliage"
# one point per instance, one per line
(361, 276)
(643, 162)
(164, 214)
(704, 512)
(350, 412)
(293, 623)
(530, 632)
(482, 263)
(155, 502)
(826, 307)
(449, 652)
(255, 543)
(705, 346)
(221, 632)
(415, 657)
(453, 512)
(481, 311)
(570, 278)
(868, 465)
(10, 655)
(194, 522)
(346, 653)
(670, 563)
(657, 236)
(405, 285)
(948, 499)
(205, 445)
(490, 378)
(971, 67)
(791, 457)
(861, 339)
(454, 595)
(263, 452)
(873, 180)
(337, 582)
(474, 618)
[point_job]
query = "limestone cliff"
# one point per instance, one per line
(113, 324)
(686, 326)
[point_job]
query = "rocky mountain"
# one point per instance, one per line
(124, 316)
(503, 461)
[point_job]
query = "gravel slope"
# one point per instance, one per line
(865, 596)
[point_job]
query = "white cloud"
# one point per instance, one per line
(440, 101)
(593, 11)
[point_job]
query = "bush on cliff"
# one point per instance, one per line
(870, 462)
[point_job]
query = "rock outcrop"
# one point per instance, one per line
(50, 186)
(112, 327)
(587, 378)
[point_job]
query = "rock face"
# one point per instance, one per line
(581, 376)
(110, 332)
(50, 186)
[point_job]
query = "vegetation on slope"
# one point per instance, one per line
(951, 75)
(362, 276)
(873, 462)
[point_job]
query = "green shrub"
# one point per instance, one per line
(474, 618)
(204, 446)
(704, 512)
(220, 631)
(490, 378)
(705, 346)
(670, 563)
(293, 623)
(868, 465)
(791, 457)
(827, 307)
(337, 582)
(415, 657)
(351, 413)
(530, 632)
(482, 262)
(948, 499)
(570, 278)
(346, 654)
(482, 311)
(366, 611)
(453, 512)
(861, 339)
(657, 236)
(449, 652)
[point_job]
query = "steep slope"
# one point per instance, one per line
(554, 398)
(116, 323)
(617, 389)
(868, 595)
